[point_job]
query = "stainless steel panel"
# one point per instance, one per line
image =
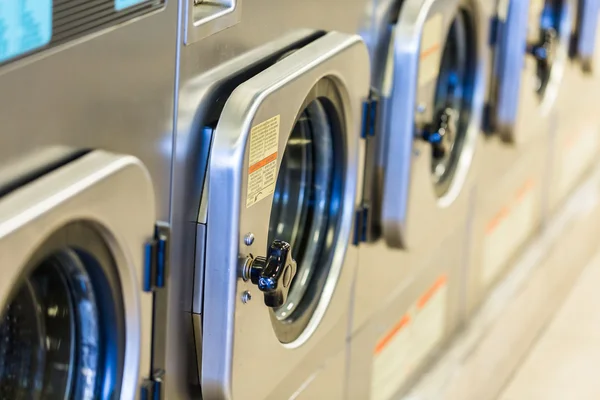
(112, 90)
(576, 142)
(507, 212)
(381, 359)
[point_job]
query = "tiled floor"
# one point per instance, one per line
(565, 362)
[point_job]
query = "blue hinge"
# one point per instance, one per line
(486, 122)
(369, 117)
(494, 26)
(360, 225)
(156, 256)
(151, 388)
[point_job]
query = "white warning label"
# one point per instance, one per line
(431, 49)
(506, 231)
(262, 160)
(403, 348)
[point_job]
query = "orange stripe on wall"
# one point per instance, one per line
(493, 224)
(390, 335)
(525, 189)
(262, 163)
(441, 281)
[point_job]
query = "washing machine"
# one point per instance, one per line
(276, 176)
(87, 116)
(576, 140)
(429, 80)
(529, 52)
(76, 320)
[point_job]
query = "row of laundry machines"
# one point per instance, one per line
(259, 199)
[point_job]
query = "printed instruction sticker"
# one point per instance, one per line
(25, 25)
(509, 228)
(579, 153)
(262, 164)
(404, 347)
(122, 4)
(431, 49)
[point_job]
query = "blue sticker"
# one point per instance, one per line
(121, 4)
(25, 25)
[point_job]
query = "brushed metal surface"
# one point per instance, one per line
(262, 22)
(577, 123)
(447, 258)
(112, 90)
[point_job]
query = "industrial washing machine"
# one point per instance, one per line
(274, 181)
(76, 322)
(529, 52)
(225, 52)
(87, 115)
(576, 138)
(429, 79)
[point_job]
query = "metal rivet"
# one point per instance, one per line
(246, 297)
(249, 238)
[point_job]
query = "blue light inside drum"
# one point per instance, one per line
(121, 4)
(25, 25)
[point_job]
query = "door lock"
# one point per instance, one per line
(442, 133)
(545, 50)
(273, 274)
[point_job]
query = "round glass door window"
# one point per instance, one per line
(58, 334)
(452, 102)
(306, 205)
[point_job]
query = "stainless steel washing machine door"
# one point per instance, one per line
(284, 176)
(586, 29)
(531, 43)
(432, 94)
(548, 39)
(509, 57)
(74, 320)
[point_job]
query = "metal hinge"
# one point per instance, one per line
(361, 222)
(369, 121)
(156, 258)
(152, 387)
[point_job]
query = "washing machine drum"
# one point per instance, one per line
(61, 331)
(448, 130)
(447, 126)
